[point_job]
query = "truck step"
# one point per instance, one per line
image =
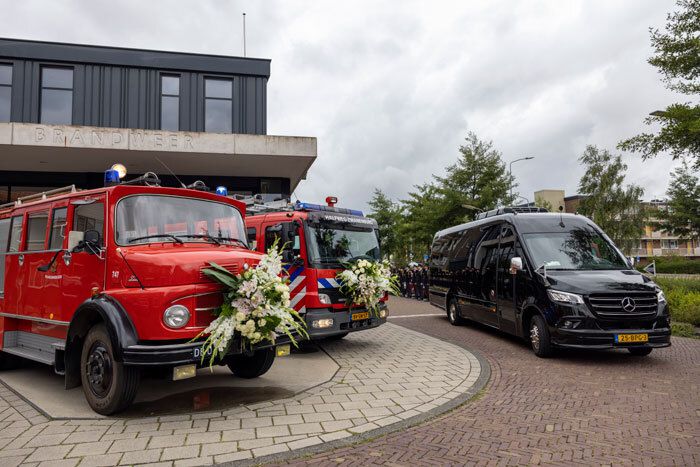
(59, 345)
(31, 354)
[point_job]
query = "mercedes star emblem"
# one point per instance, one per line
(628, 304)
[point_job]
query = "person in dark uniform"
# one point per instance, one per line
(418, 281)
(426, 282)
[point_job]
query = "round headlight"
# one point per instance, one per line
(176, 316)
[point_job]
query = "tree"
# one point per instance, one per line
(387, 213)
(614, 207)
(677, 57)
(682, 214)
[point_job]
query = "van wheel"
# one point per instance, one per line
(9, 361)
(251, 366)
(453, 314)
(640, 351)
(109, 386)
(539, 337)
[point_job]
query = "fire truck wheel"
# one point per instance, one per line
(109, 386)
(252, 366)
(9, 362)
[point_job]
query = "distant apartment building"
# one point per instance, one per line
(654, 241)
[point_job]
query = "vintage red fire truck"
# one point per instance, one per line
(320, 240)
(106, 282)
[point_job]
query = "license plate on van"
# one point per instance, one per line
(631, 338)
(360, 316)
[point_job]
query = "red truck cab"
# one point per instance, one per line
(103, 283)
(320, 240)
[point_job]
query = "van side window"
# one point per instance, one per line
(90, 217)
(58, 228)
(36, 230)
(4, 239)
(15, 234)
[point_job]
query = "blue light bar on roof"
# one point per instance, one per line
(299, 206)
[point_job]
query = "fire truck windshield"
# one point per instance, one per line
(333, 245)
(158, 218)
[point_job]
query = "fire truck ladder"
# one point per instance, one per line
(39, 196)
(257, 205)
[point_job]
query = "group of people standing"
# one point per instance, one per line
(413, 282)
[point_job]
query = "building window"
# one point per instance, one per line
(56, 96)
(669, 244)
(170, 102)
(218, 105)
(5, 92)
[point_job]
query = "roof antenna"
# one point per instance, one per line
(171, 172)
(561, 218)
(244, 51)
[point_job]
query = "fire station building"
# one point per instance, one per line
(68, 112)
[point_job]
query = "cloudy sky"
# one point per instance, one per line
(390, 89)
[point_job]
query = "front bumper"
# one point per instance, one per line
(342, 321)
(605, 339)
(155, 354)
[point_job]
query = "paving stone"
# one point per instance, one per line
(214, 449)
(48, 453)
(141, 457)
(126, 445)
(269, 431)
(195, 461)
(59, 463)
(182, 452)
(267, 450)
(237, 435)
(287, 419)
(304, 428)
(90, 449)
(167, 441)
(232, 457)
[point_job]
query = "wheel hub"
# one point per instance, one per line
(98, 369)
(535, 336)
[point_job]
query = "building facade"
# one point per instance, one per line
(67, 112)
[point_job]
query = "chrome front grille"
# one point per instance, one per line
(624, 304)
(232, 268)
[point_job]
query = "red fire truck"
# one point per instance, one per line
(319, 239)
(103, 283)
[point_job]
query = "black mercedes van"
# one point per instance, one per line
(555, 280)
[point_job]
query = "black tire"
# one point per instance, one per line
(337, 337)
(540, 340)
(453, 314)
(251, 366)
(9, 361)
(640, 351)
(108, 385)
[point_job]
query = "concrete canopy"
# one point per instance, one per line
(68, 148)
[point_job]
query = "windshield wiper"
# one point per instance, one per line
(204, 236)
(170, 236)
(231, 239)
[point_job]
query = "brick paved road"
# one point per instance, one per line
(580, 408)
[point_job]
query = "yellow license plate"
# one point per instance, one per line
(359, 316)
(631, 338)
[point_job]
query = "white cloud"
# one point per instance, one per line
(391, 88)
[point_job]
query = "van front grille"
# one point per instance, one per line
(624, 304)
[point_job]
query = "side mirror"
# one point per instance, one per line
(288, 256)
(298, 261)
(516, 264)
(92, 237)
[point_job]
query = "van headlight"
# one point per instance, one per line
(176, 316)
(325, 299)
(564, 297)
(660, 296)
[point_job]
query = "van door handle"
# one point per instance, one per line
(20, 260)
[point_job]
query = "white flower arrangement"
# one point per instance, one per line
(365, 282)
(256, 306)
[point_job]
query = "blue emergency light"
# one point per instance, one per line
(222, 190)
(111, 177)
(301, 206)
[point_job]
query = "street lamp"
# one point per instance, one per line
(510, 171)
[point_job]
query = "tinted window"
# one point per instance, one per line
(218, 105)
(251, 233)
(4, 238)
(56, 95)
(15, 234)
(58, 228)
(36, 230)
(5, 92)
(89, 217)
(170, 103)
(576, 249)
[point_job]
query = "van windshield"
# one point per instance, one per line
(575, 250)
(331, 244)
(156, 218)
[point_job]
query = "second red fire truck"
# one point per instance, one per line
(320, 240)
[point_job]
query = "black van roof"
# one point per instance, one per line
(527, 222)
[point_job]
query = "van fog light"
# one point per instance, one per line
(322, 323)
(176, 316)
(382, 313)
(570, 324)
(184, 372)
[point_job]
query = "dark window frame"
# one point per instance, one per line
(56, 88)
(52, 225)
(229, 79)
(9, 86)
(163, 94)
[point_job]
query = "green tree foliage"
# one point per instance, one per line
(682, 216)
(477, 181)
(677, 57)
(387, 213)
(616, 208)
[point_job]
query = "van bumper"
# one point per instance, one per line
(605, 339)
(342, 321)
(154, 354)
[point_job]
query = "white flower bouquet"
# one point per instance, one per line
(365, 283)
(256, 306)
